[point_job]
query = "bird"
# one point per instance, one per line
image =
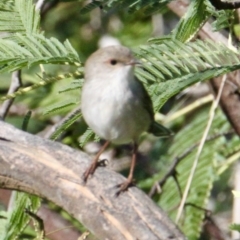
(115, 104)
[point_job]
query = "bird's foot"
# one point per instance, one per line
(124, 186)
(93, 167)
(89, 172)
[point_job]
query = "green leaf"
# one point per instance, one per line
(19, 51)
(235, 227)
(19, 16)
(148, 7)
(197, 14)
(66, 124)
(184, 148)
(77, 84)
(44, 82)
(171, 66)
(59, 106)
(17, 218)
(88, 134)
(224, 19)
(3, 223)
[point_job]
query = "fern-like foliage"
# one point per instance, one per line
(59, 106)
(204, 176)
(170, 66)
(42, 83)
(19, 51)
(19, 16)
(3, 222)
(24, 45)
(148, 6)
(27, 46)
(224, 19)
(16, 219)
(197, 14)
(88, 134)
(235, 227)
(66, 124)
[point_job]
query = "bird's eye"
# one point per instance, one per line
(113, 62)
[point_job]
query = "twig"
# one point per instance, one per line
(235, 157)
(191, 107)
(236, 201)
(16, 83)
(41, 83)
(203, 140)
(39, 4)
(44, 6)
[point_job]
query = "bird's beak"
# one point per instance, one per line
(134, 62)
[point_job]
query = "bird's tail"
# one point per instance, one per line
(159, 130)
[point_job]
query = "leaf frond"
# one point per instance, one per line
(19, 16)
(17, 218)
(171, 66)
(184, 150)
(44, 82)
(197, 14)
(66, 124)
(19, 51)
(148, 7)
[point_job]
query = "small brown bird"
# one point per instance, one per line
(115, 104)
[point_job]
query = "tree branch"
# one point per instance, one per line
(229, 101)
(220, 5)
(54, 171)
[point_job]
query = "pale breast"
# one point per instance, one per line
(115, 113)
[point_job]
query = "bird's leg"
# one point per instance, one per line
(125, 185)
(94, 163)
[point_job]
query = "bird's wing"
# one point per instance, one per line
(155, 128)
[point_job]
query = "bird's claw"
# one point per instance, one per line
(93, 167)
(89, 172)
(124, 186)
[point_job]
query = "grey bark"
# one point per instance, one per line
(53, 171)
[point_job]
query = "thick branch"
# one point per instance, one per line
(54, 171)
